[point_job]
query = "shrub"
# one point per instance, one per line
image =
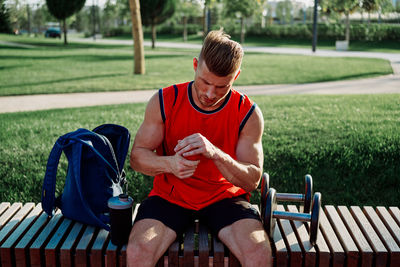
(328, 31)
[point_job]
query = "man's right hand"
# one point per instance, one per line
(181, 167)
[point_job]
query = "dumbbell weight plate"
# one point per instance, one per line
(308, 194)
(270, 206)
(264, 190)
(316, 207)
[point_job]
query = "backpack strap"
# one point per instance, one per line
(77, 174)
(108, 144)
(49, 182)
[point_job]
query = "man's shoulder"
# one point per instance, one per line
(243, 99)
(177, 86)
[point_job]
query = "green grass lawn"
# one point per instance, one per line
(349, 144)
(51, 67)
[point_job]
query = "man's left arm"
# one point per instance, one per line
(246, 170)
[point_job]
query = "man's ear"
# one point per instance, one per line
(237, 75)
(195, 63)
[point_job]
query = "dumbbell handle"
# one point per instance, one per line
(304, 217)
(290, 197)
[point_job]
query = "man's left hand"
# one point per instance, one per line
(196, 144)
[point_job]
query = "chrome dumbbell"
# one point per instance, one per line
(270, 215)
(305, 198)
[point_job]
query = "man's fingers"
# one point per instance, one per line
(186, 174)
(188, 143)
(190, 163)
(193, 152)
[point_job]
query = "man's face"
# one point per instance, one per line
(209, 89)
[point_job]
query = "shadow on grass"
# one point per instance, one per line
(89, 58)
(72, 45)
(3, 46)
(64, 80)
(354, 76)
(372, 46)
(14, 66)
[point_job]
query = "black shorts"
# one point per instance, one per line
(216, 216)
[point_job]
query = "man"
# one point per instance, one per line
(208, 158)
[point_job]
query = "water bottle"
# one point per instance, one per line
(120, 218)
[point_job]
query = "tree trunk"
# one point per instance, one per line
(137, 33)
(28, 10)
(205, 21)
(184, 28)
(242, 30)
(153, 35)
(347, 27)
(65, 32)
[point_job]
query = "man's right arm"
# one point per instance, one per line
(149, 136)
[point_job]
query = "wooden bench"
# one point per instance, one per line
(348, 237)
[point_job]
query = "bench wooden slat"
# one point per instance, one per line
(36, 258)
(324, 254)
(188, 248)
(310, 254)
(111, 254)
(34, 239)
(8, 229)
(281, 253)
(51, 249)
(357, 235)
(295, 253)
(68, 246)
(390, 243)
(22, 248)
(390, 223)
(96, 253)
(395, 212)
(173, 253)
(337, 251)
(381, 254)
(204, 250)
(219, 251)
(122, 256)
(3, 207)
(9, 213)
(347, 242)
(7, 257)
(82, 249)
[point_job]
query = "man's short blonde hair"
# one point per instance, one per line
(222, 55)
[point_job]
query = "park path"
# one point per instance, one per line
(388, 84)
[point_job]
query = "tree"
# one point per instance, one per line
(206, 15)
(186, 9)
(370, 6)
(342, 7)
(242, 9)
(154, 13)
(5, 26)
(137, 33)
(62, 9)
(283, 11)
(376, 6)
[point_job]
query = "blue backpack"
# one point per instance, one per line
(95, 173)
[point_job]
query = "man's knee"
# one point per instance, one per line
(139, 252)
(259, 254)
(249, 242)
(147, 242)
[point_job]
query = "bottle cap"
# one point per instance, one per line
(120, 202)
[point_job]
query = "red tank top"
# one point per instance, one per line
(182, 117)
